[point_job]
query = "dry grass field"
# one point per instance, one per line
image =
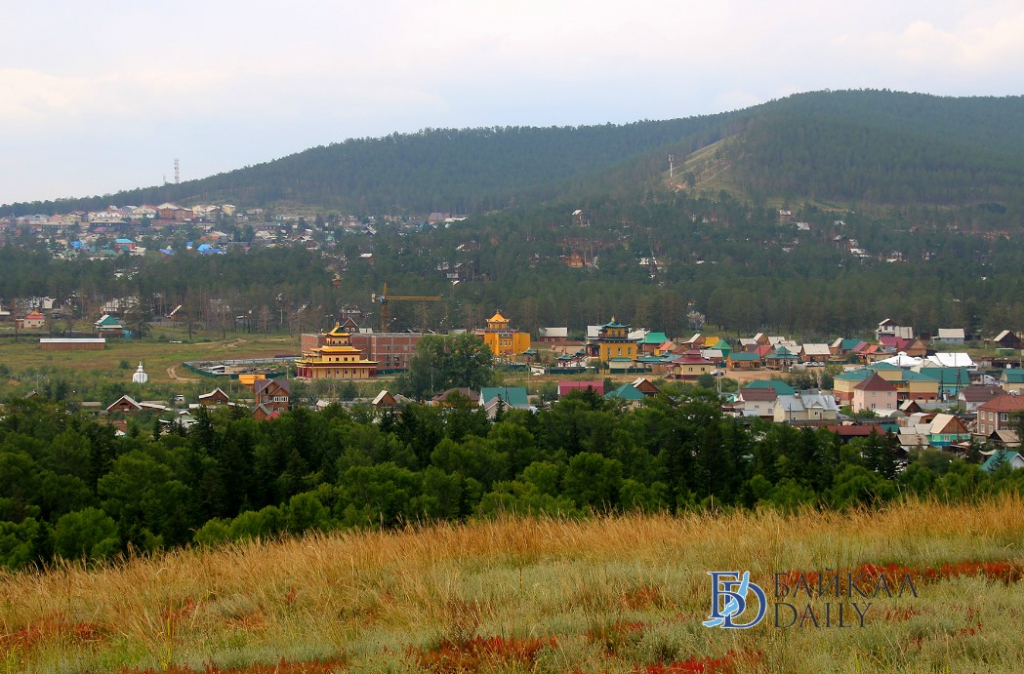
(158, 356)
(617, 594)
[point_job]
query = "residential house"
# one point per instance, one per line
(214, 397)
(946, 430)
(448, 398)
(552, 335)
(742, 360)
(1003, 457)
(875, 394)
(627, 395)
(512, 396)
(691, 367)
(645, 387)
(124, 405)
(273, 397)
(781, 358)
(950, 379)
(780, 387)
(805, 408)
(108, 326)
(891, 328)
(950, 336)
(1008, 340)
(973, 397)
(567, 387)
(810, 353)
(1012, 380)
(494, 399)
(843, 385)
(999, 413)
(32, 321)
(651, 343)
(757, 402)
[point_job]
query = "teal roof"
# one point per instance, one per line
(614, 324)
(856, 375)
(624, 392)
(1013, 376)
(109, 320)
(910, 375)
(884, 366)
(656, 338)
(781, 352)
(948, 376)
(781, 387)
(1000, 457)
(744, 355)
(850, 344)
(512, 395)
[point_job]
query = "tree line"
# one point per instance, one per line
(69, 488)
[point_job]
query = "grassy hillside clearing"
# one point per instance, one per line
(620, 594)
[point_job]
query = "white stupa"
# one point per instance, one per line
(140, 376)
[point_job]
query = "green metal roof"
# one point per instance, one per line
(624, 392)
(656, 338)
(512, 395)
(744, 355)
(781, 387)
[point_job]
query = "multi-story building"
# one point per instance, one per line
(502, 339)
(334, 358)
(613, 342)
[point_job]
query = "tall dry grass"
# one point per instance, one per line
(611, 593)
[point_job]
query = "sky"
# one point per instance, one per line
(103, 96)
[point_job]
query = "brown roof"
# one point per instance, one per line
(1007, 403)
(767, 394)
(980, 394)
(875, 383)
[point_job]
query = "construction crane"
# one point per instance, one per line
(386, 299)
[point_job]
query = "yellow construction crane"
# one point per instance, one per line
(386, 299)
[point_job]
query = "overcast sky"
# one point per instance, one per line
(104, 95)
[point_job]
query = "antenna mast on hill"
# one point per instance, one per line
(671, 159)
(177, 173)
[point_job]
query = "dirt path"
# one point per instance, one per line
(172, 373)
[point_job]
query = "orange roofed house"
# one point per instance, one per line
(334, 358)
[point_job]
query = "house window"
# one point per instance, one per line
(1004, 417)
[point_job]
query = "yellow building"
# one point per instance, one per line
(335, 358)
(502, 339)
(613, 343)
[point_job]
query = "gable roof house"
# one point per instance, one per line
(875, 394)
(999, 414)
(973, 397)
(946, 430)
(1012, 380)
(1001, 457)
(273, 397)
(1008, 340)
(805, 408)
(950, 335)
(757, 402)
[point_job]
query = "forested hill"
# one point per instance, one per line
(452, 170)
(846, 146)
